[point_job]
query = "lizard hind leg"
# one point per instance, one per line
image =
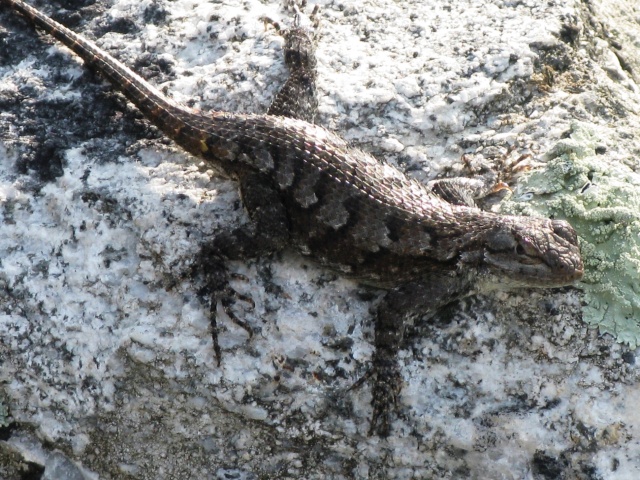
(266, 233)
(268, 230)
(216, 290)
(298, 96)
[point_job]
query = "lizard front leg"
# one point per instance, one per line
(479, 179)
(401, 307)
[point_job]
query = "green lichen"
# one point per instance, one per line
(602, 202)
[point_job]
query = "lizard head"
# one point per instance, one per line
(533, 252)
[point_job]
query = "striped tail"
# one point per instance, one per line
(163, 112)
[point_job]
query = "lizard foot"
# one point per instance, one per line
(297, 8)
(386, 385)
(216, 290)
(386, 388)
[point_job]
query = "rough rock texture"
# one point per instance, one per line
(106, 360)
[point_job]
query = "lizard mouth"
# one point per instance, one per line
(533, 271)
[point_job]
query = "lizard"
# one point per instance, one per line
(304, 186)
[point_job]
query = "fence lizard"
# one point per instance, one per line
(427, 245)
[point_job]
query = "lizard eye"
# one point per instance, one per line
(527, 248)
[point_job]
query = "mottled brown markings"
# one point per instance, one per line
(350, 211)
(284, 169)
(332, 211)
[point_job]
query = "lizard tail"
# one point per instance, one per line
(164, 112)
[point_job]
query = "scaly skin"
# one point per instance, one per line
(304, 185)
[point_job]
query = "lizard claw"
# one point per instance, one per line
(216, 290)
(300, 20)
(498, 187)
(385, 391)
(227, 298)
(386, 388)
